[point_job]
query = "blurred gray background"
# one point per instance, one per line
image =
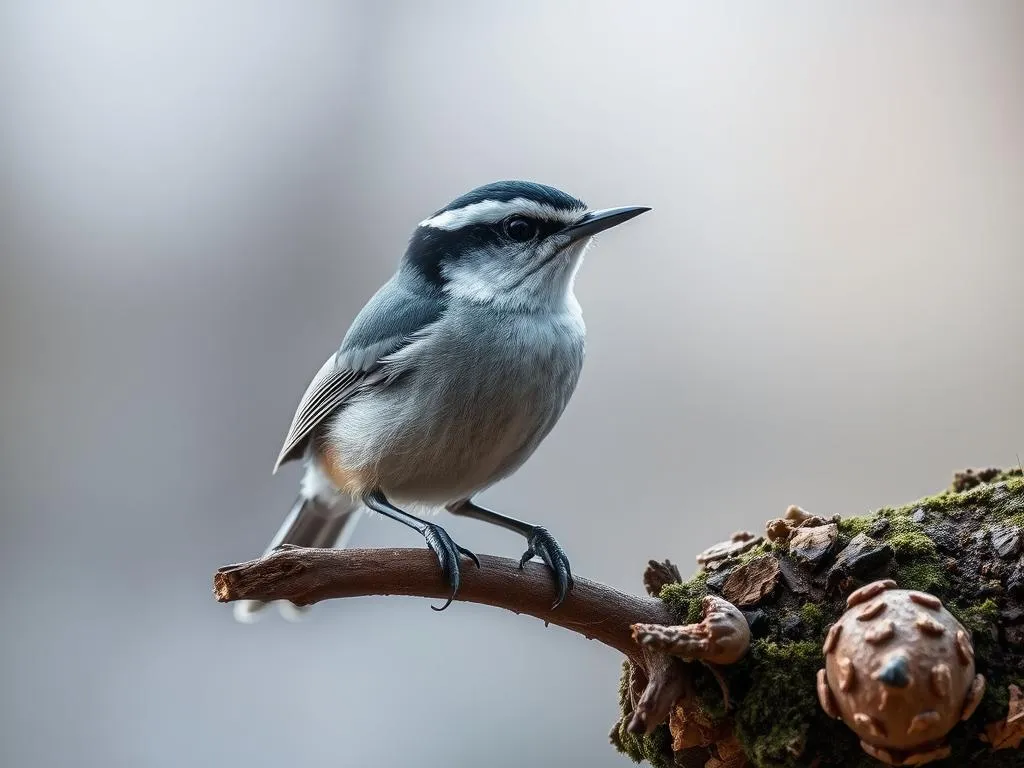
(196, 198)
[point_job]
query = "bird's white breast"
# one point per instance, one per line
(473, 399)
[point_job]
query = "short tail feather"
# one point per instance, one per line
(311, 523)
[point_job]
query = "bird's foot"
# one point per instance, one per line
(448, 554)
(542, 544)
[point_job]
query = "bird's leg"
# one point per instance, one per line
(437, 539)
(539, 543)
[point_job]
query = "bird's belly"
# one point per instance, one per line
(433, 448)
(443, 434)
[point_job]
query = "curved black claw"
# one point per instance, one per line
(448, 552)
(543, 544)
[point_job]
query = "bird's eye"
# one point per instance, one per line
(520, 229)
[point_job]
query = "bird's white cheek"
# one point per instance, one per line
(483, 281)
(542, 279)
(470, 284)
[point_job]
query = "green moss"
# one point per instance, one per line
(654, 748)
(771, 663)
(907, 539)
(851, 526)
(981, 621)
(775, 714)
(1002, 497)
(1008, 505)
(657, 747)
(813, 616)
(924, 577)
(685, 600)
(979, 617)
(912, 545)
(917, 563)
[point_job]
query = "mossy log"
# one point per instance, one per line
(964, 545)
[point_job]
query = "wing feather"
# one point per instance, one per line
(398, 313)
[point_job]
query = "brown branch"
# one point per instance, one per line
(305, 576)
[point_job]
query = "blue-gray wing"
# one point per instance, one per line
(396, 315)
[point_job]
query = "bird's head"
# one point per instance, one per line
(512, 242)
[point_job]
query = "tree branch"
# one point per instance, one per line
(305, 576)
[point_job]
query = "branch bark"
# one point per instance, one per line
(305, 576)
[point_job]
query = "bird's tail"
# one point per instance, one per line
(311, 523)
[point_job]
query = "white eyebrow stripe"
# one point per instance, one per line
(493, 211)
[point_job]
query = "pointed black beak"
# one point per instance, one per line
(599, 221)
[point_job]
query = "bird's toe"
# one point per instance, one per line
(448, 554)
(541, 543)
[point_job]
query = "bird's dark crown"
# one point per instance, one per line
(504, 191)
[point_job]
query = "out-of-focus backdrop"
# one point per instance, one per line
(824, 308)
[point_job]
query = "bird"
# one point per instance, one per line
(449, 378)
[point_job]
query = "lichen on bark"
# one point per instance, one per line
(965, 545)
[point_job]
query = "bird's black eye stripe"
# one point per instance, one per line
(523, 228)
